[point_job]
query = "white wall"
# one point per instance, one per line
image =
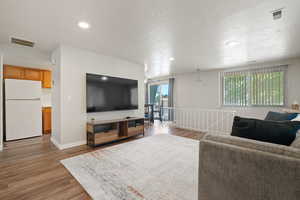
(1, 102)
(25, 56)
(56, 98)
(74, 64)
(206, 94)
(191, 93)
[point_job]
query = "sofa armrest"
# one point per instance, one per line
(256, 145)
(233, 172)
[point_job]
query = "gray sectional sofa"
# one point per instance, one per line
(233, 168)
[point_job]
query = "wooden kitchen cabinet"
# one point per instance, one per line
(46, 120)
(25, 73)
(47, 79)
(33, 74)
(13, 72)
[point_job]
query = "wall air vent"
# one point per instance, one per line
(277, 14)
(21, 42)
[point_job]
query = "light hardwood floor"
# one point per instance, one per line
(30, 169)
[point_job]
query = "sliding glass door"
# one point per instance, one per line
(159, 96)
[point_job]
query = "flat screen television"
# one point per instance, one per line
(106, 93)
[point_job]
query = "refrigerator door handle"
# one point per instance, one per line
(34, 99)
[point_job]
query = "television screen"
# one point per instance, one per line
(105, 93)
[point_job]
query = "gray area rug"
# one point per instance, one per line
(161, 167)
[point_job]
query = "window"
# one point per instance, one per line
(259, 87)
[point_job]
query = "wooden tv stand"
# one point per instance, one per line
(106, 131)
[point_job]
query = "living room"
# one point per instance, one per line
(150, 100)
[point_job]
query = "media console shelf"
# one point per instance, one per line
(101, 132)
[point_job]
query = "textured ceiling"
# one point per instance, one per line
(149, 32)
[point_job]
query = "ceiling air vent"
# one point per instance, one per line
(22, 42)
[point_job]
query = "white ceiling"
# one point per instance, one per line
(194, 32)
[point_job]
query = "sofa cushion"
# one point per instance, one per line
(266, 131)
(276, 116)
(297, 118)
(255, 145)
(296, 143)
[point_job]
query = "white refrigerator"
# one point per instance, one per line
(23, 109)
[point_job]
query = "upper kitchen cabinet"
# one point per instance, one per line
(33, 74)
(47, 79)
(24, 73)
(13, 72)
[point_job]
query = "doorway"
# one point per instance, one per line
(159, 98)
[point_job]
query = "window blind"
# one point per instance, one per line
(255, 87)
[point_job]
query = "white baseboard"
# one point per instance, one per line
(55, 142)
(73, 144)
(68, 145)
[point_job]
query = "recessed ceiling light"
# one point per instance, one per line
(104, 78)
(171, 59)
(231, 43)
(84, 25)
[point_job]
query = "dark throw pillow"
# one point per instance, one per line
(283, 133)
(276, 116)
